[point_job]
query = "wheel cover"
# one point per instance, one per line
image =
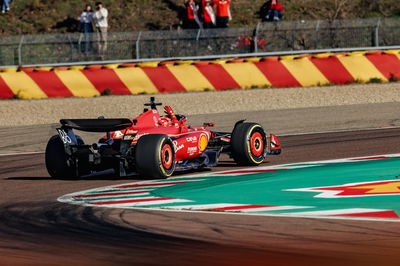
(256, 144)
(167, 156)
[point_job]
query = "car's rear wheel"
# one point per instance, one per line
(57, 161)
(155, 156)
(248, 143)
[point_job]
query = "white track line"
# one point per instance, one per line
(22, 153)
(285, 215)
(104, 198)
(133, 204)
(204, 206)
(338, 131)
(277, 208)
(338, 212)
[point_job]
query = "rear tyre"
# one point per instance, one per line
(248, 143)
(56, 160)
(155, 156)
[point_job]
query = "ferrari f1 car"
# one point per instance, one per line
(152, 145)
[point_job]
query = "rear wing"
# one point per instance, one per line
(74, 147)
(96, 125)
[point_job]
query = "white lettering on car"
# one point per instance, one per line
(177, 148)
(191, 139)
(192, 150)
(131, 131)
(64, 137)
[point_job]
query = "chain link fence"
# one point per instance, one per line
(265, 37)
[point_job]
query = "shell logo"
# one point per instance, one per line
(203, 142)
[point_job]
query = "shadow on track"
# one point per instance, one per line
(50, 227)
(65, 234)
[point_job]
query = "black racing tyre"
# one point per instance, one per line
(248, 143)
(56, 159)
(155, 156)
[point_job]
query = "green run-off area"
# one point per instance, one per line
(270, 188)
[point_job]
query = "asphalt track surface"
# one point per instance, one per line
(35, 229)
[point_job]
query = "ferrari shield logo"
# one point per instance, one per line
(363, 189)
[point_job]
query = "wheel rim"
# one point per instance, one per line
(257, 144)
(167, 156)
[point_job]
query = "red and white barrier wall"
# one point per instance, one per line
(180, 76)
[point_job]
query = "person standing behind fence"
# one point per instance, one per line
(6, 6)
(100, 18)
(272, 10)
(192, 20)
(223, 13)
(86, 20)
(209, 20)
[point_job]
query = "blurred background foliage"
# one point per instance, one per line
(49, 16)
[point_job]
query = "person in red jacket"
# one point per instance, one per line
(272, 10)
(192, 20)
(223, 12)
(209, 20)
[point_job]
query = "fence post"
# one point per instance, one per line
(317, 34)
(198, 35)
(80, 42)
(255, 38)
(20, 51)
(138, 45)
(197, 40)
(376, 39)
(71, 46)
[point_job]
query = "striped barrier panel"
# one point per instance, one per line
(180, 76)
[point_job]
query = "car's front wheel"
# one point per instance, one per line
(155, 156)
(248, 143)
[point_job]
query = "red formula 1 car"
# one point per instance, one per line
(152, 145)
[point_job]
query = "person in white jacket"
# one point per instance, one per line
(100, 18)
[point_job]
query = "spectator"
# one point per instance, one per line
(209, 20)
(192, 20)
(272, 10)
(86, 20)
(223, 13)
(101, 20)
(6, 6)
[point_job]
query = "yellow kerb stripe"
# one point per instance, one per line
(360, 67)
(305, 72)
(190, 77)
(22, 85)
(246, 74)
(395, 52)
(77, 83)
(136, 80)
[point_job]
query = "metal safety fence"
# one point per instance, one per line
(265, 37)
